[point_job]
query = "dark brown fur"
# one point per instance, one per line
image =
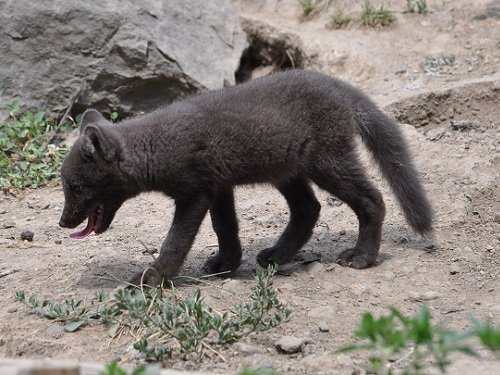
(286, 129)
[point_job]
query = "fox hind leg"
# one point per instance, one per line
(347, 180)
(304, 213)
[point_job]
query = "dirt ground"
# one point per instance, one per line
(439, 75)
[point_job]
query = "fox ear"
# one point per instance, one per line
(99, 143)
(91, 116)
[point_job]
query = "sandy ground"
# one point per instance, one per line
(450, 116)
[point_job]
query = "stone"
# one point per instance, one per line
(424, 296)
(331, 267)
(126, 56)
(455, 268)
(357, 289)
(290, 344)
(323, 326)
(27, 235)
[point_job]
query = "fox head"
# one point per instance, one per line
(94, 184)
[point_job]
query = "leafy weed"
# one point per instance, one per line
(392, 334)
(165, 324)
(27, 160)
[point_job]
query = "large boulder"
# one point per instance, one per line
(120, 54)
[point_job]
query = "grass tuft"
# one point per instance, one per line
(308, 6)
(374, 17)
(340, 20)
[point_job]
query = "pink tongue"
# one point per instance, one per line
(91, 224)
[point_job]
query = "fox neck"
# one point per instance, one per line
(147, 163)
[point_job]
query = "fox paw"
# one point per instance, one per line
(356, 258)
(267, 257)
(149, 277)
(221, 264)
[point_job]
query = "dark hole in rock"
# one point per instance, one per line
(269, 50)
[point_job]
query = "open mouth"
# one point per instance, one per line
(93, 223)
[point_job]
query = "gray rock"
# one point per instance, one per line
(129, 56)
(357, 289)
(290, 344)
(323, 326)
(455, 268)
(424, 296)
(27, 235)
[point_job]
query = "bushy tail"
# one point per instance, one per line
(385, 141)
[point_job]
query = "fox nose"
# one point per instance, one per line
(63, 224)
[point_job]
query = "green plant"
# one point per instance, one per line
(340, 20)
(434, 64)
(373, 17)
(308, 6)
(26, 158)
(166, 324)
(392, 334)
(113, 116)
(416, 6)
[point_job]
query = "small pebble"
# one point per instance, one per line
(27, 235)
(290, 344)
(58, 242)
(331, 267)
(11, 310)
(357, 289)
(425, 296)
(323, 327)
(497, 218)
(455, 268)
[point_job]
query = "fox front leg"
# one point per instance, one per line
(189, 214)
